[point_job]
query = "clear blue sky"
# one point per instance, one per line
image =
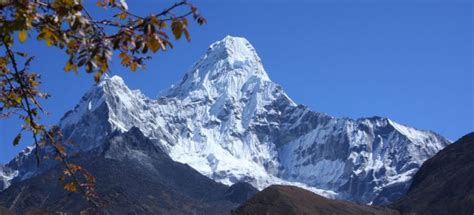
(411, 61)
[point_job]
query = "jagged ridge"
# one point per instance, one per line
(229, 121)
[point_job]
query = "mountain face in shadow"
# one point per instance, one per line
(445, 183)
(288, 200)
(134, 176)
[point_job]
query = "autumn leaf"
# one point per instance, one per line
(12, 96)
(71, 169)
(154, 20)
(163, 24)
(22, 36)
(125, 59)
(177, 28)
(153, 44)
(97, 76)
(100, 4)
(70, 66)
(188, 36)
(60, 149)
(90, 178)
(133, 66)
(71, 187)
(122, 15)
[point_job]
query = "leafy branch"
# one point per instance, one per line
(90, 45)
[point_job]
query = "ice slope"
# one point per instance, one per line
(229, 121)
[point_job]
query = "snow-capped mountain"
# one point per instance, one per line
(229, 121)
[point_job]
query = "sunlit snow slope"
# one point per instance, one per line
(229, 121)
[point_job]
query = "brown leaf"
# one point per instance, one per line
(177, 28)
(133, 66)
(17, 139)
(154, 20)
(97, 76)
(188, 36)
(153, 44)
(122, 15)
(60, 149)
(71, 187)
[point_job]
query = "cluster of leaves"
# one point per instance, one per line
(19, 94)
(86, 184)
(89, 44)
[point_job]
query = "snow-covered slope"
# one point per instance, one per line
(6, 176)
(229, 121)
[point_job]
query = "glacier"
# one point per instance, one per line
(229, 121)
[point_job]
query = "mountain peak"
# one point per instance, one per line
(111, 84)
(111, 91)
(225, 68)
(237, 48)
(115, 79)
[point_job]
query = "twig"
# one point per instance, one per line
(26, 106)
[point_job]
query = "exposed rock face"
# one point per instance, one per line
(230, 122)
(445, 183)
(134, 177)
(289, 200)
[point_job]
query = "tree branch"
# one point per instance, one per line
(26, 106)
